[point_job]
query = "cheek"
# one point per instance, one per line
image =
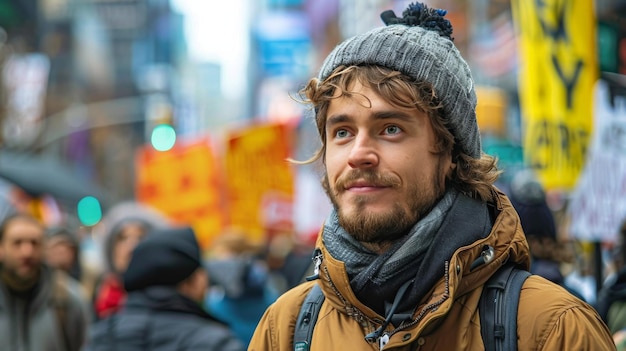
(446, 168)
(333, 167)
(204, 282)
(122, 252)
(66, 252)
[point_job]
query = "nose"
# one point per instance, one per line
(363, 153)
(27, 249)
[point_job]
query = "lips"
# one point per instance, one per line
(360, 183)
(363, 185)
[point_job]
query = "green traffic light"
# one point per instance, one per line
(89, 211)
(163, 137)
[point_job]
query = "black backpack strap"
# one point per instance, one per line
(498, 308)
(307, 318)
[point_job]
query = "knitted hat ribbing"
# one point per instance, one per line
(422, 54)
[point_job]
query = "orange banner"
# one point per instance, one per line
(183, 183)
(260, 180)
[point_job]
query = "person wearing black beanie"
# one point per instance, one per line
(167, 259)
(528, 197)
(166, 283)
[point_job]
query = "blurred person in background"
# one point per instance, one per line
(166, 285)
(241, 287)
(528, 197)
(611, 302)
(63, 251)
(123, 227)
(289, 259)
(39, 309)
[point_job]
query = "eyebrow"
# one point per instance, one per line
(381, 115)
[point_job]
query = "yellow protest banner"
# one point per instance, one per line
(558, 71)
(185, 184)
(259, 179)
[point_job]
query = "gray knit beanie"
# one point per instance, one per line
(419, 45)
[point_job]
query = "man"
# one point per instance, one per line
(38, 308)
(166, 284)
(417, 226)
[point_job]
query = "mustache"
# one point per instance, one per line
(369, 176)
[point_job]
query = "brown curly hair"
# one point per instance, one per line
(474, 177)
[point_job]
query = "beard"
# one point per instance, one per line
(16, 281)
(397, 220)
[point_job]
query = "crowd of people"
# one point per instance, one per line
(419, 227)
(155, 290)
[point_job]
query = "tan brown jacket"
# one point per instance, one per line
(549, 317)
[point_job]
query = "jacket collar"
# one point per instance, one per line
(506, 241)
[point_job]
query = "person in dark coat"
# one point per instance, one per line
(241, 287)
(166, 284)
(41, 308)
(611, 304)
(528, 197)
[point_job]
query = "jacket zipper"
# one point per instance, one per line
(367, 322)
(427, 308)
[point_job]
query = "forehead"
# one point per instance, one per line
(359, 96)
(356, 94)
(131, 229)
(59, 240)
(23, 228)
(354, 85)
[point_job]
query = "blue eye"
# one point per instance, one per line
(392, 130)
(342, 133)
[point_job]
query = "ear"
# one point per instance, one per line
(451, 168)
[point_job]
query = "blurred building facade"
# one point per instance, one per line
(111, 73)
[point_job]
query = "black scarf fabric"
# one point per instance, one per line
(456, 220)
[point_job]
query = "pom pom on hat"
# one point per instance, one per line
(166, 257)
(419, 45)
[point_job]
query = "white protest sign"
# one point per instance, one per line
(598, 204)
